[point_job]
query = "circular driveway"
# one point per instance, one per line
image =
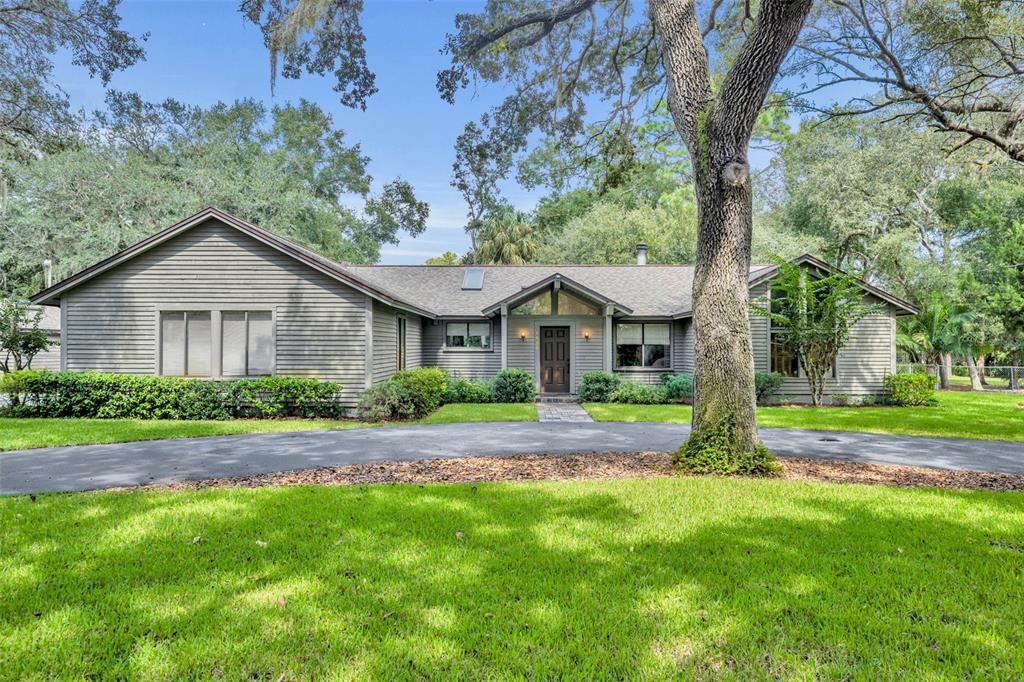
(87, 467)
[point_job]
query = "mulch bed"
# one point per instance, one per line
(598, 466)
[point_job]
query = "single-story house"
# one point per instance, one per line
(49, 322)
(215, 296)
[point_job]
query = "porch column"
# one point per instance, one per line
(608, 338)
(504, 336)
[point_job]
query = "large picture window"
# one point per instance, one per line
(185, 343)
(642, 344)
(473, 335)
(247, 343)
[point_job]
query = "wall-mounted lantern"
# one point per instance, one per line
(522, 335)
(586, 334)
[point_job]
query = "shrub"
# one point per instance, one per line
(596, 386)
(711, 453)
(513, 386)
(868, 400)
(678, 386)
(389, 401)
(638, 394)
(283, 397)
(766, 386)
(109, 396)
(841, 399)
(910, 390)
(426, 387)
(465, 391)
(14, 384)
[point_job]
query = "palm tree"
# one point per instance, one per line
(934, 335)
(507, 238)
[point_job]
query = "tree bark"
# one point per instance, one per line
(980, 362)
(716, 128)
(972, 371)
(945, 370)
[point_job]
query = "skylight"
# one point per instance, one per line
(473, 278)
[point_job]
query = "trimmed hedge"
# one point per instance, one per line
(595, 387)
(426, 387)
(911, 390)
(678, 386)
(389, 401)
(466, 391)
(125, 396)
(766, 386)
(513, 386)
(638, 394)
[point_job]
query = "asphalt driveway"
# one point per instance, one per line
(87, 467)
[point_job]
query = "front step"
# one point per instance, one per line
(557, 398)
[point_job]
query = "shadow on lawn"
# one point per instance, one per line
(692, 576)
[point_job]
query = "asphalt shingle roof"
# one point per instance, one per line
(650, 290)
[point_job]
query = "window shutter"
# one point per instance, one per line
(199, 336)
(261, 343)
(172, 343)
(233, 344)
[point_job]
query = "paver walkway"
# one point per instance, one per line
(562, 412)
(86, 467)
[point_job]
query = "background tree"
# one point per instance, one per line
(21, 339)
(446, 258)
(957, 66)
(507, 238)
(934, 335)
(144, 166)
(814, 313)
(34, 111)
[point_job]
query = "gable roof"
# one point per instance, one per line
(561, 281)
(810, 261)
(437, 290)
(646, 290)
(314, 260)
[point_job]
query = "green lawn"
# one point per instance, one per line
(38, 433)
(488, 412)
(998, 382)
(960, 414)
(684, 577)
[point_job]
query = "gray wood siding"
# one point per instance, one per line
(468, 364)
(49, 359)
(385, 342)
(682, 346)
(584, 355)
(320, 323)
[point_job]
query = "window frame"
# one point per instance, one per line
(643, 347)
(467, 349)
(273, 342)
(185, 312)
(401, 345)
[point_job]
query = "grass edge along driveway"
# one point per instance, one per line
(986, 415)
(661, 578)
(17, 434)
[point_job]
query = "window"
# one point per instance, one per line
(550, 302)
(473, 279)
(541, 304)
(247, 343)
(185, 348)
(642, 344)
(468, 335)
(571, 304)
(400, 353)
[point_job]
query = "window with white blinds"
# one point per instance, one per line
(247, 343)
(185, 343)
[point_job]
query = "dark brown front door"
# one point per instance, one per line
(554, 359)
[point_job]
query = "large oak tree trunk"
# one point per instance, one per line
(724, 371)
(716, 125)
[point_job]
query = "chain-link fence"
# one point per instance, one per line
(1005, 377)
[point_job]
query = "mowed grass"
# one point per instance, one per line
(959, 414)
(686, 577)
(16, 434)
(486, 412)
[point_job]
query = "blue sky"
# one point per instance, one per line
(201, 51)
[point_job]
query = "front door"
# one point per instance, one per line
(554, 359)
